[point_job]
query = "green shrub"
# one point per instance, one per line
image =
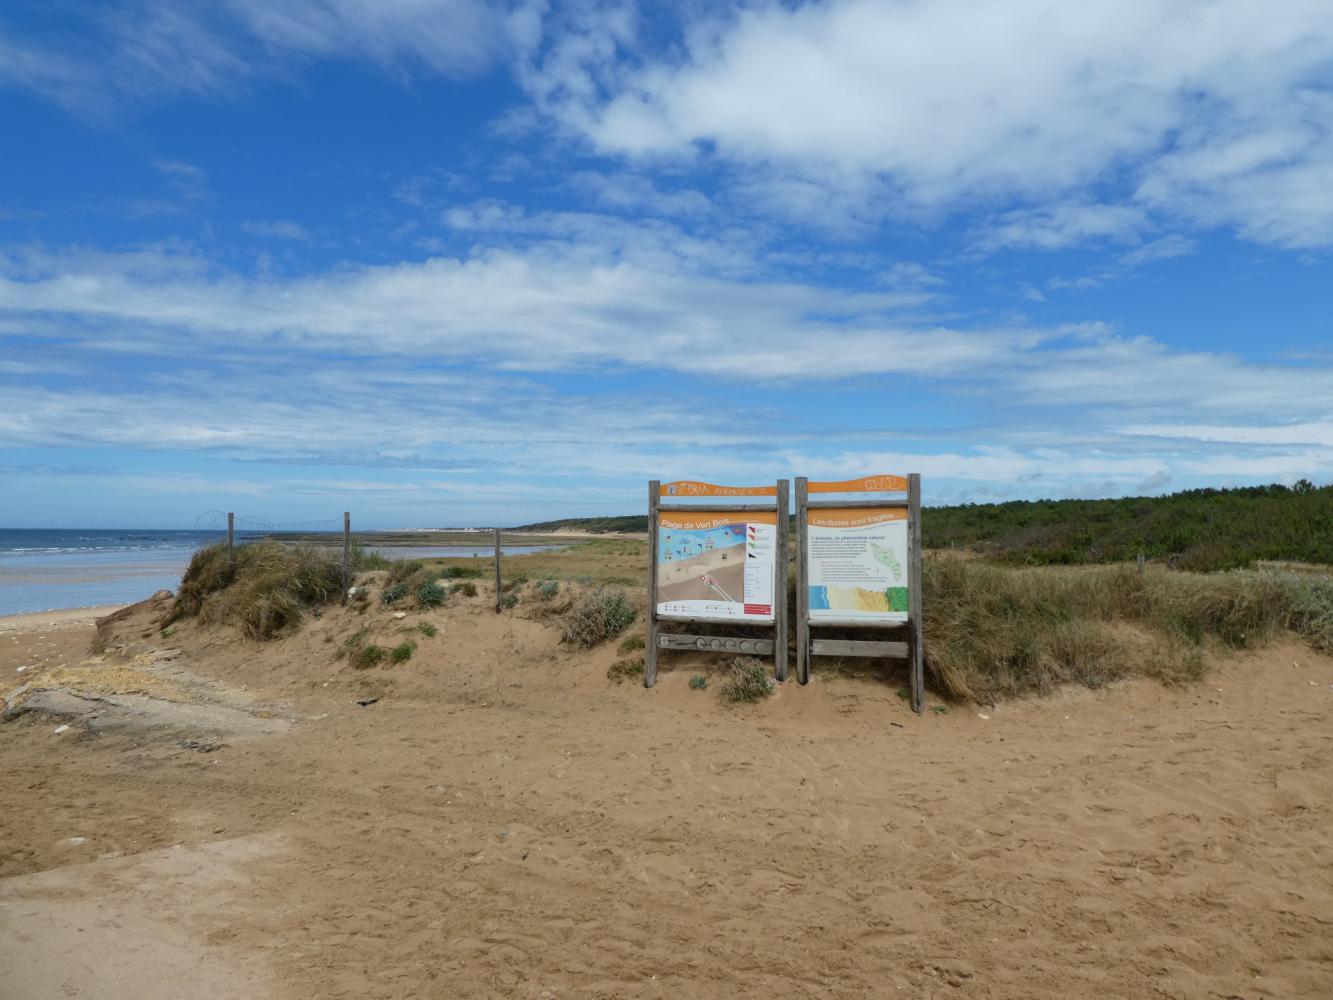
(431, 594)
(361, 653)
(547, 589)
(630, 643)
(698, 683)
(515, 582)
(428, 630)
(403, 651)
(596, 617)
(466, 589)
(509, 600)
(747, 680)
(393, 593)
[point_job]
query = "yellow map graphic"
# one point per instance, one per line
(857, 599)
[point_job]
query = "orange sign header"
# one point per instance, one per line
(688, 521)
(853, 517)
(866, 484)
(690, 488)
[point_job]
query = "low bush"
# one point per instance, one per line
(747, 681)
(698, 683)
(547, 589)
(431, 594)
(596, 617)
(428, 630)
(360, 652)
(630, 643)
(403, 651)
(393, 593)
(466, 589)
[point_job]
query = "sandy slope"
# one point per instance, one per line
(506, 822)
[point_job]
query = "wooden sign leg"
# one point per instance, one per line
(780, 585)
(650, 642)
(802, 585)
(914, 593)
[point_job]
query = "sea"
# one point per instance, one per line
(44, 569)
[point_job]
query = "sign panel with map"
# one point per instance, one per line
(716, 565)
(857, 564)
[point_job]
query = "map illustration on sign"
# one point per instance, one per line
(857, 564)
(716, 565)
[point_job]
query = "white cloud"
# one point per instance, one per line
(1061, 225)
(944, 103)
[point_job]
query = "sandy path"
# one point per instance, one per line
(505, 822)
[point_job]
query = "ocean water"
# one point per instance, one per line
(43, 569)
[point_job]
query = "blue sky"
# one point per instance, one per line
(450, 263)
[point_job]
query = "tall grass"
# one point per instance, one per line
(993, 632)
(263, 591)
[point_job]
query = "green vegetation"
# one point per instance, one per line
(1194, 530)
(597, 616)
(431, 594)
(263, 591)
(428, 630)
(393, 593)
(625, 668)
(547, 589)
(403, 651)
(360, 652)
(592, 525)
(698, 683)
(747, 680)
(364, 559)
(461, 573)
(466, 589)
(993, 631)
(631, 643)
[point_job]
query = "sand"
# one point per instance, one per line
(505, 822)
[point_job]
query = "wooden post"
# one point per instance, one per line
(231, 536)
(780, 584)
(650, 644)
(347, 552)
(802, 585)
(914, 592)
(499, 587)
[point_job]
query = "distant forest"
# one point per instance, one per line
(1194, 529)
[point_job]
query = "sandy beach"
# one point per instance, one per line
(495, 818)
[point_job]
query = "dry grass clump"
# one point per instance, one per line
(994, 632)
(263, 591)
(596, 616)
(626, 668)
(747, 680)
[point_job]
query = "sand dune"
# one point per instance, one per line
(505, 822)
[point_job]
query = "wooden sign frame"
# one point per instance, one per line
(765, 638)
(881, 647)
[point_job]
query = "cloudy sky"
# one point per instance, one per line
(446, 262)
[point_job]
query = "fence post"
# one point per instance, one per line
(498, 585)
(347, 552)
(231, 536)
(1141, 561)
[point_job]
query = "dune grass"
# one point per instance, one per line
(263, 591)
(994, 632)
